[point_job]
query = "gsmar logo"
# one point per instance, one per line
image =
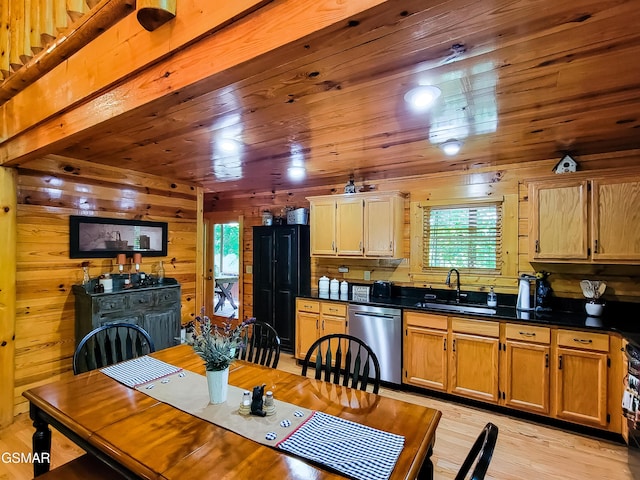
(21, 457)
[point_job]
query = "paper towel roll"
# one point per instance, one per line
(524, 295)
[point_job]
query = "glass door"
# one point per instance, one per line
(224, 268)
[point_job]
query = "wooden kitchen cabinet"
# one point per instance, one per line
(315, 319)
(425, 350)
(558, 220)
(349, 221)
(357, 225)
(616, 219)
(581, 377)
(473, 359)
(571, 375)
(585, 220)
(526, 378)
(322, 221)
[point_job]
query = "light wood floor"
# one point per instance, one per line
(525, 451)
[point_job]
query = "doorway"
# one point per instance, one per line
(224, 266)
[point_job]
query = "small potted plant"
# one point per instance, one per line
(217, 346)
(593, 291)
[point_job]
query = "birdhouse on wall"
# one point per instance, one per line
(566, 165)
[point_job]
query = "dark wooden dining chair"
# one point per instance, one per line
(344, 359)
(479, 455)
(111, 344)
(262, 345)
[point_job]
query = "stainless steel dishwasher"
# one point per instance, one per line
(381, 329)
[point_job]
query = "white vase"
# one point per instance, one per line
(218, 381)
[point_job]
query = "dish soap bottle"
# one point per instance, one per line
(492, 298)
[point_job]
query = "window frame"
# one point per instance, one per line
(506, 276)
(465, 205)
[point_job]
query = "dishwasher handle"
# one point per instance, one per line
(377, 315)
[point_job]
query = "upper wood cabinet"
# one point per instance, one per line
(357, 225)
(585, 220)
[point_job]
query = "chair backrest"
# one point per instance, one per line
(344, 359)
(111, 344)
(480, 454)
(262, 345)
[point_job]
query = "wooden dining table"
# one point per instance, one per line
(144, 438)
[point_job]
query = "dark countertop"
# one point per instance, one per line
(118, 285)
(618, 317)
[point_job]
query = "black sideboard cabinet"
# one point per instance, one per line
(155, 308)
(281, 272)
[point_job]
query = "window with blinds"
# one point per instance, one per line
(463, 237)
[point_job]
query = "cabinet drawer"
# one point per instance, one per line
(530, 333)
(141, 299)
(583, 340)
(304, 305)
(170, 295)
(426, 320)
(337, 309)
(476, 327)
(111, 303)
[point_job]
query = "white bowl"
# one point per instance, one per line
(594, 309)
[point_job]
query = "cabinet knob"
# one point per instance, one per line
(595, 246)
(537, 246)
(583, 340)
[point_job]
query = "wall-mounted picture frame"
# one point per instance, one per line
(97, 237)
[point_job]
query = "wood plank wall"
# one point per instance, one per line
(8, 219)
(623, 281)
(51, 189)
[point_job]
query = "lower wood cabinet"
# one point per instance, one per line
(315, 319)
(581, 378)
(526, 376)
(571, 375)
(473, 359)
(425, 350)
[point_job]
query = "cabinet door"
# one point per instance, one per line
(332, 324)
(379, 227)
(581, 386)
(349, 225)
(616, 219)
(263, 275)
(322, 221)
(163, 328)
(425, 357)
(285, 286)
(527, 376)
(474, 366)
(307, 325)
(558, 221)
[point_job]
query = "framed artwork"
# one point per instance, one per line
(96, 237)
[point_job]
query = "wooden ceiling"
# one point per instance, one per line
(521, 81)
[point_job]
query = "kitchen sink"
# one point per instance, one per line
(457, 307)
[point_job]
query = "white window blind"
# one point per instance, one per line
(463, 237)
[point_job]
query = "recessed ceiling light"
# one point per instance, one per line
(451, 147)
(229, 145)
(422, 97)
(296, 172)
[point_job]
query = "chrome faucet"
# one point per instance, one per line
(448, 283)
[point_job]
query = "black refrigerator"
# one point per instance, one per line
(281, 272)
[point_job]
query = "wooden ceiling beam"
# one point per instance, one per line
(270, 27)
